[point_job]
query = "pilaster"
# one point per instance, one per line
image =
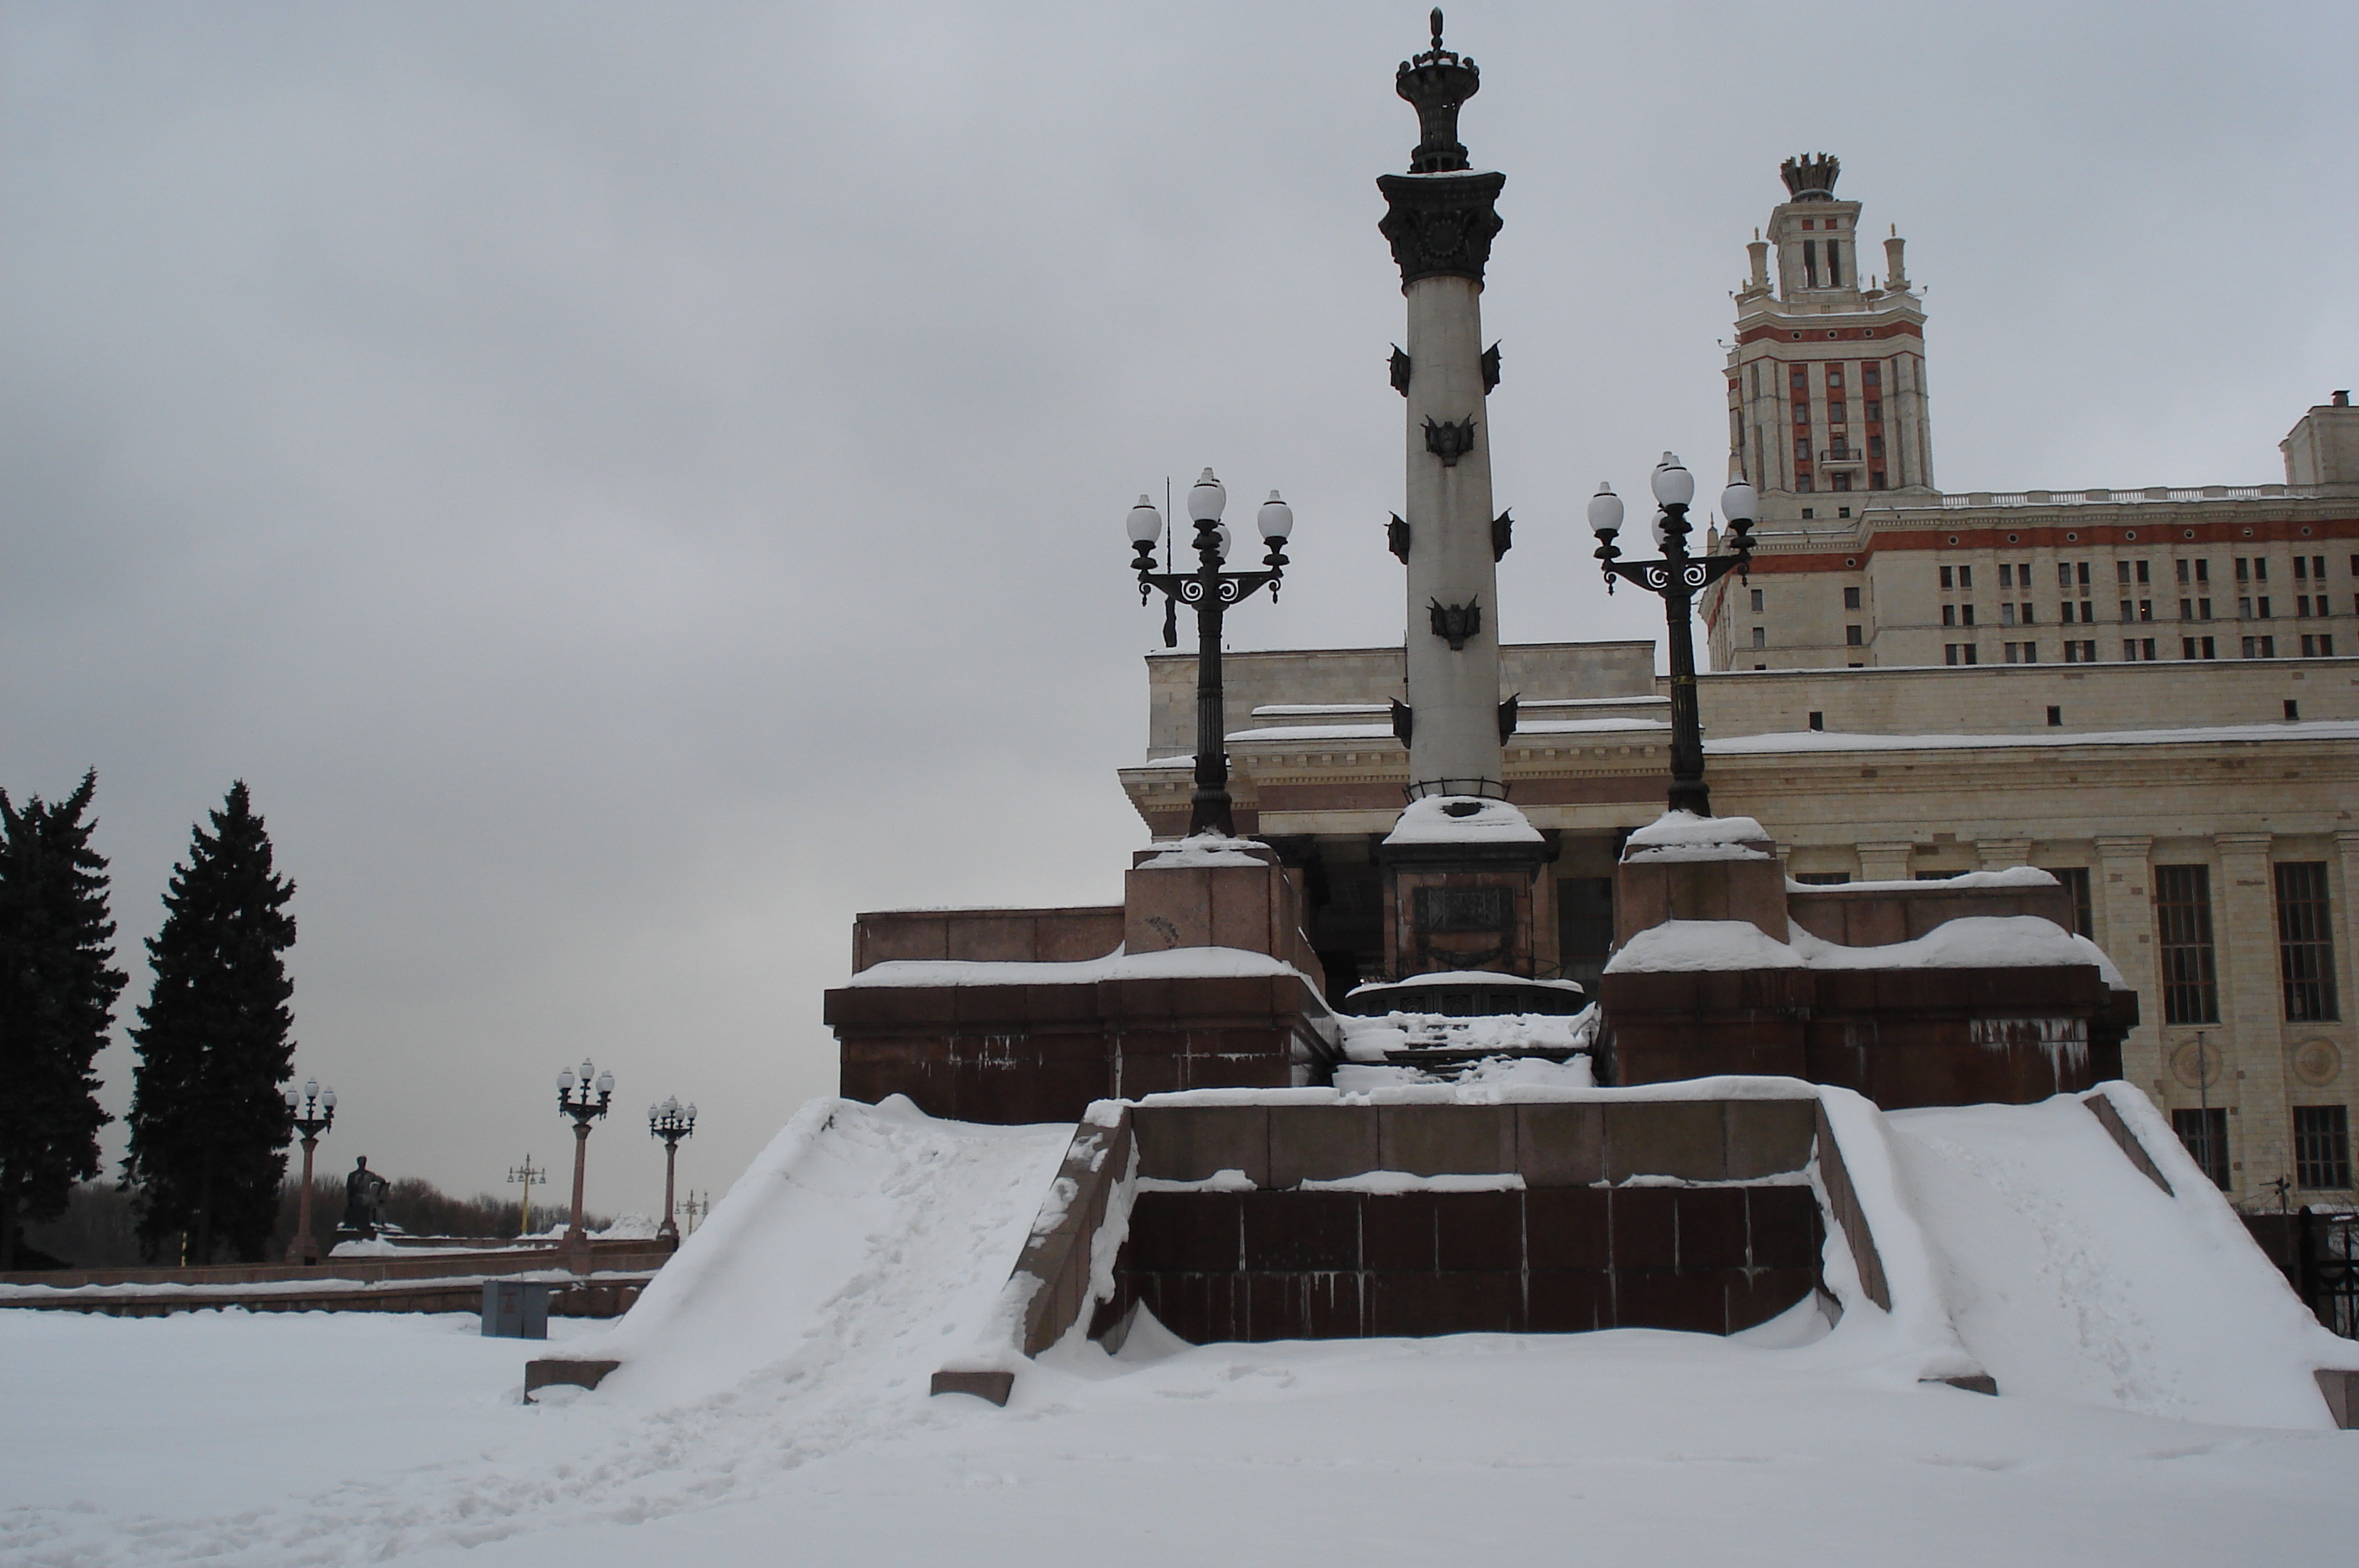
(1884, 862)
(2244, 930)
(2000, 854)
(2119, 889)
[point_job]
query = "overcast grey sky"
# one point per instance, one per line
(630, 485)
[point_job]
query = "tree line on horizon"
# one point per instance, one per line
(209, 1126)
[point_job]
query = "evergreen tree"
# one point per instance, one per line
(56, 1005)
(208, 1130)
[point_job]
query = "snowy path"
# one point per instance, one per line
(868, 1239)
(2072, 1275)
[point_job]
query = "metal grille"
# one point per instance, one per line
(2306, 942)
(1444, 909)
(2182, 918)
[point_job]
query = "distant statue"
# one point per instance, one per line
(363, 1199)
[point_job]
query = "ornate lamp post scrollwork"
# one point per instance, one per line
(670, 1121)
(1209, 592)
(312, 1113)
(1677, 579)
(586, 1104)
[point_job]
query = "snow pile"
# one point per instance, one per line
(1468, 977)
(1683, 835)
(1207, 849)
(1370, 1038)
(1970, 941)
(1175, 963)
(2072, 1275)
(1461, 819)
(2012, 876)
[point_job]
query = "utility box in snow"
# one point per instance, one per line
(516, 1309)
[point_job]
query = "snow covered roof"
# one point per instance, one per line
(1206, 849)
(1828, 740)
(1683, 835)
(1461, 819)
(1177, 963)
(1970, 941)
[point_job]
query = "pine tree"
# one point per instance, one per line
(57, 1006)
(208, 1130)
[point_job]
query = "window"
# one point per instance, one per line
(2244, 609)
(1810, 264)
(1874, 409)
(2260, 569)
(2263, 602)
(1818, 720)
(2292, 711)
(1965, 615)
(2306, 942)
(2244, 569)
(1852, 637)
(2203, 572)
(2055, 717)
(2064, 575)
(1802, 451)
(2074, 877)
(1801, 379)
(2202, 609)
(2322, 1146)
(2137, 648)
(2204, 1132)
(1756, 598)
(2186, 609)
(2006, 575)
(2122, 572)
(1949, 576)
(1871, 375)
(1875, 479)
(1801, 414)
(2196, 648)
(2317, 647)
(2080, 652)
(2302, 568)
(2023, 653)
(1842, 482)
(2302, 607)
(2141, 572)
(1966, 577)
(2125, 611)
(2145, 609)
(1835, 264)
(1761, 636)
(2031, 614)
(2260, 648)
(1851, 598)
(2182, 918)
(1835, 415)
(1949, 615)
(2006, 614)
(1822, 878)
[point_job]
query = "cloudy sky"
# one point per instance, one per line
(629, 485)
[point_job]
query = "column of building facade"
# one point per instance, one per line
(1884, 862)
(2346, 961)
(2124, 915)
(2000, 854)
(2251, 1013)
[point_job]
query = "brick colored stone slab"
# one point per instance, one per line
(1481, 1232)
(1398, 1231)
(1711, 1227)
(1565, 1300)
(550, 1371)
(1323, 1143)
(1301, 1231)
(1783, 1227)
(1567, 1228)
(1688, 1303)
(1757, 1296)
(1767, 1138)
(996, 1387)
(1178, 1233)
(1646, 1227)
(1666, 1138)
(1446, 1140)
(1560, 1146)
(1189, 1143)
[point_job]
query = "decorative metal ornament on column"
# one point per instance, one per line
(312, 1112)
(670, 1121)
(579, 1103)
(1209, 592)
(1677, 579)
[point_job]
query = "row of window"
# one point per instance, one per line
(2322, 1144)
(1838, 413)
(1798, 378)
(2084, 651)
(2191, 571)
(2083, 612)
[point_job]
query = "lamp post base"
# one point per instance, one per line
(577, 1251)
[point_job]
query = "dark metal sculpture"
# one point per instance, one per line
(1490, 370)
(1440, 226)
(1396, 538)
(1677, 579)
(1455, 623)
(1400, 370)
(1450, 440)
(1503, 535)
(1209, 592)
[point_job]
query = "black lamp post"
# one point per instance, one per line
(1677, 579)
(584, 1108)
(1211, 590)
(313, 1112)
(670, 1121)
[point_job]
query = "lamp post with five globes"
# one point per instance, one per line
(313, 1112)
(584, 1108)
(1211, 591)
(1677, 579)
(670, 1121)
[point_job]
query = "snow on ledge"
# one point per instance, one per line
(1726, 1086)
(1461, 819)
(1970, 941)
(1171, 964)
(1205, 849)
(1683, 835)
(2013, 876)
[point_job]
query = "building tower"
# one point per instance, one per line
(1826, 381)
(1441, 221)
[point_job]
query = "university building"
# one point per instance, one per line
(2152, 692)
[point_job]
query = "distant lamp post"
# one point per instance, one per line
(581, 1104)
(313, 1112)
(695, 1206)
(1211, 591)
(670, 1121)
(1677, 579)
(528, 1176)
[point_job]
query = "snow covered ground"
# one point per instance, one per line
(772, 1409)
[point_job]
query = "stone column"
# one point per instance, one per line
(1440, 219)
(1884, 862)
(2000, 854)
(2124, 913)
(2252, 1010)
